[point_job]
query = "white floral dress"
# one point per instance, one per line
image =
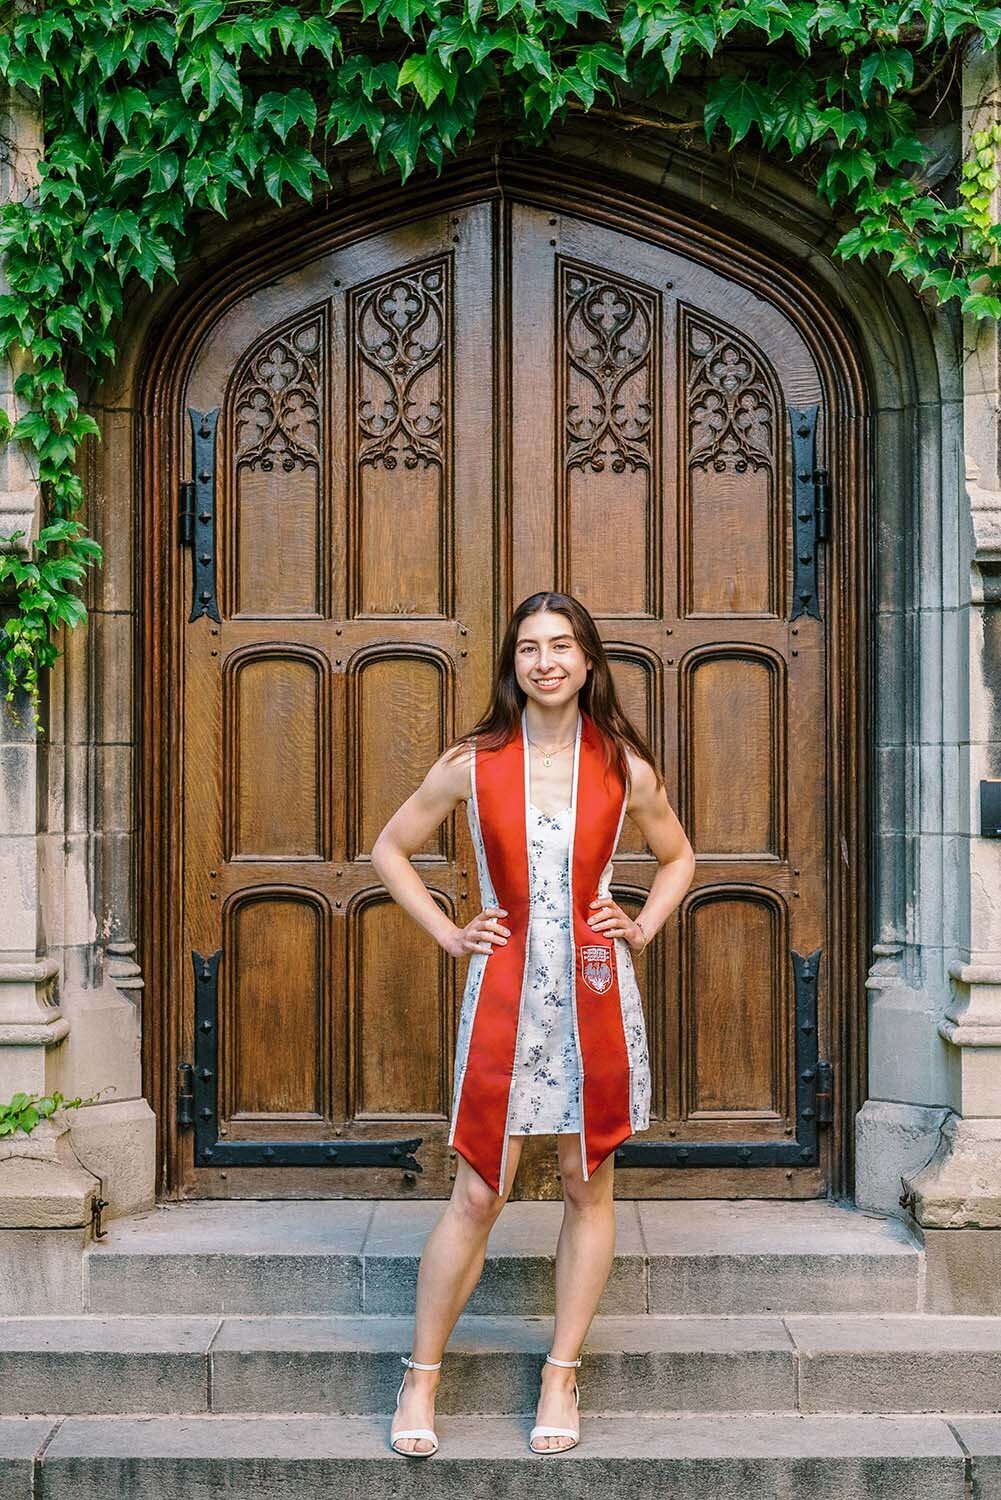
(545, 1092)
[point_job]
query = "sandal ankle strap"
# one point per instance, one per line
(415, 1364)
(568, 1364)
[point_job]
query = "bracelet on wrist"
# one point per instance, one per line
(646, 937)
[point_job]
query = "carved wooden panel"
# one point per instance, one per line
(735, 778)
(275, 1026)
(402, 1019)
(399, 723)
(734, 988)
(732, 524)
(276, 784)
(609, 402)
(635, 674)
(401, 383)
(277, 426)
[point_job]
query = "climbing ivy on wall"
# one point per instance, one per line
(155, 114)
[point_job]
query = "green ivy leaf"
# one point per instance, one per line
(426, 74)
(161, 167)
(147, 258)
(29, 72)
(893, 69)
(571, 10)
(738, 101)
(401, 141)
(120, 108)
(202, 14)
(353, 115)
(61, 318)
(283, 112)
(39, 29)
(293, 166)
(115, 225)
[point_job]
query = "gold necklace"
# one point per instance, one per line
(548, 754)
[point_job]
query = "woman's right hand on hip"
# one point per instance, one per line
(482, 933)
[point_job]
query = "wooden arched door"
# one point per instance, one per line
(384, 448)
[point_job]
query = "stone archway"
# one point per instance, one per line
(724, 1128)
(913, 375)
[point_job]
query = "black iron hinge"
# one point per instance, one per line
(185, 1096)
(186, 514)
(825, 1092)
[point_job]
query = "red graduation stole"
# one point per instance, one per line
(480, 1119)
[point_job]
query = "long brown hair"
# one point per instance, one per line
(597, 697)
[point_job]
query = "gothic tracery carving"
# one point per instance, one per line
(608, 331)
(731, 412)
(399, 328)
(278, 401)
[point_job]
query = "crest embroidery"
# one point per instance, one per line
(596, 967)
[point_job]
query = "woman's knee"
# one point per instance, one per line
(595, 1192)
(475, 1199)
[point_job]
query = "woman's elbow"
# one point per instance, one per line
(378, 855)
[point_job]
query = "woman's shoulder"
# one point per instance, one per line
(642, 777)
(455, 766)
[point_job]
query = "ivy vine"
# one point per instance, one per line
(156, 114)
(24, 1111)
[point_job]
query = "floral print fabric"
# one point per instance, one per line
(545, 1094)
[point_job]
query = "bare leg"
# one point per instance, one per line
(451, 1265)
(584, 1253)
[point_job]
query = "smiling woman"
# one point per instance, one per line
(551, 1036)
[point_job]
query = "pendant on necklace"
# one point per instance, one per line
(546, 761)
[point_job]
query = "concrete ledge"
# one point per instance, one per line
(104, 1365)
(909, 1364)
(960, 1187)
(351, 1364)
(493, 1363)
(41, 1270)
(20, 1444)
(646, 1458)
(963, 1271)
(691, 1258)
(42, 1184)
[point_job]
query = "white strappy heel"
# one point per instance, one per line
(545, 1431)
(414, 1432)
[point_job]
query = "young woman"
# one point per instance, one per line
(551, 1037)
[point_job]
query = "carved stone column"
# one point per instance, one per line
(960, 1187)
(30, 1018)
(43, 1187)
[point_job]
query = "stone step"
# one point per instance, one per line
(706, 1257)
(644, 1364)
(642, 1457)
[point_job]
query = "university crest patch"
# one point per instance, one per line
(596, 967)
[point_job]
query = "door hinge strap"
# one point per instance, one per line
(197, 516)
(805, 499)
